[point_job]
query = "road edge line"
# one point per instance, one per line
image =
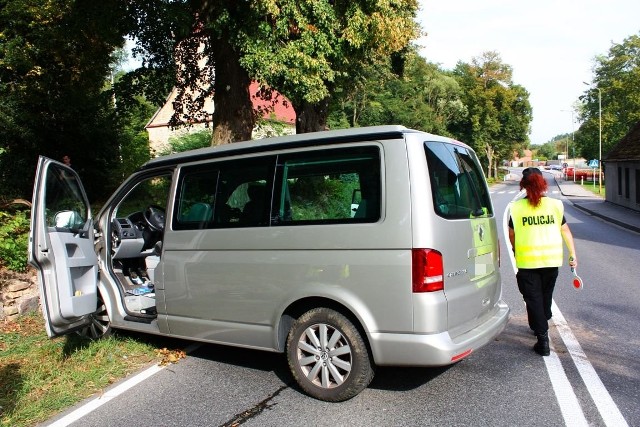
(105, 397)
(567, 400)
(609, 411)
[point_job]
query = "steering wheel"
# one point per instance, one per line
(154, 217)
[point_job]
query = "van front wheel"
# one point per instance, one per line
(327, 356)
(100, 326)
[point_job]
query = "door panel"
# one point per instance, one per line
(62, 248)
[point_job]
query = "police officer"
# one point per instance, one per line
(537, 228)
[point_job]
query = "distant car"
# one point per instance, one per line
(555, 168)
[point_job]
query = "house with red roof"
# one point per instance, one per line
(277, 118)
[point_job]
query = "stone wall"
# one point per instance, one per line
(18, 296)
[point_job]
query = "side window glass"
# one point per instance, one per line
(197, 199)
(457, 183)
(329, 186)
(152, 191)
(244, 193)
(235, 193)
(64, 200)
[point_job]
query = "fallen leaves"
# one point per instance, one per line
(170, 356)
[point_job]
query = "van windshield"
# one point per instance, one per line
(458, 186)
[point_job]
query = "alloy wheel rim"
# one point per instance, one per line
(99, 324)
(324, 356)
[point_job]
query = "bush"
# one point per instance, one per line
(188, 141)
(14, 237)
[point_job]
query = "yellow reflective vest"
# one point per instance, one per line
(538, 239)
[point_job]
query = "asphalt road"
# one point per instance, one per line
(504, 384)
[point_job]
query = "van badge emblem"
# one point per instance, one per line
(481, 233)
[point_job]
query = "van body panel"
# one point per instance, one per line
(252, 287)
(439, 349)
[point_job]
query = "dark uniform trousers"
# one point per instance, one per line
(536, 286)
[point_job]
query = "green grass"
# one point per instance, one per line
(40, 377)
(594, 189)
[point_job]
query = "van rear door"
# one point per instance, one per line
(466, 233)
(61, 248)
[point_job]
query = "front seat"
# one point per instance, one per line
(253, 211)
(199, 212)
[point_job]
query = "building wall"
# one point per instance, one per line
(278, 119)
(622, 184)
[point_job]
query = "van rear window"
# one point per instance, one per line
(459, 189)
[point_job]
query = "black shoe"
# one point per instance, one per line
(542, 346)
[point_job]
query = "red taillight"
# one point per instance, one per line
(427, 269)
(461, 355)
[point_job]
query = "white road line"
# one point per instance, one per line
(569, 405)
(106, 397)
(605, 404)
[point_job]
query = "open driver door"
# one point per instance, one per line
(61, 248)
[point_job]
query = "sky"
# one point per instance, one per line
(550, 44)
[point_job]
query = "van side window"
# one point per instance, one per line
(328, 186)
(234, 193)
(457, 183)
(197, 197)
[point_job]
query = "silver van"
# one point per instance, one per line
(344, 249)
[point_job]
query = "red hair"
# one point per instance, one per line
(535, 185)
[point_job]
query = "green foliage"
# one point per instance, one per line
(617, 80)
(548, 150)
(54, 57)
(133, 138)
(40, 377)
(499, 112)
(323, 198)
(270, 128)
(14, 237)
(189, 141)
(424, 97)
(306, 50)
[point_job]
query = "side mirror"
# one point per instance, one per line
(68, 219)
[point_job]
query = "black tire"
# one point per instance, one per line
(327, 356)
(100, 326)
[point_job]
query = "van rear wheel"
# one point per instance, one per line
(327, 356)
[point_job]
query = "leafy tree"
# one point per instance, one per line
(498, 111)
(551, 149)
(617, 76)
(424, 97)
(305, 50)
(133, 139)
(54, 58)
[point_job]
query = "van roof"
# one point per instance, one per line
(277, 143)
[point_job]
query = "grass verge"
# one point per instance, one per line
(40, 377)
(594, 189)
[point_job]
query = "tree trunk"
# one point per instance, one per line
(490, 152)
(311, 117)
(233, 117)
